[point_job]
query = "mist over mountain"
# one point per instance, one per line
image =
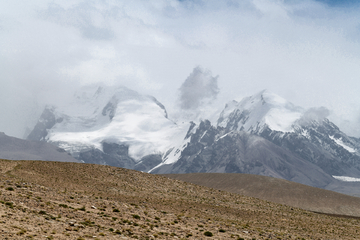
(198, 89)
(262, 134)
(306, 51)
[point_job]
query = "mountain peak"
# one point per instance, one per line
(262, 109)
(272, 98)
(267, 97)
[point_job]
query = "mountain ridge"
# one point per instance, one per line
(127, 129)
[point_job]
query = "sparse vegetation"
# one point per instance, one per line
(131, 204)
(136, 216)
(82, 208)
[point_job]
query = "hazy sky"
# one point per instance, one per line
(306, 51)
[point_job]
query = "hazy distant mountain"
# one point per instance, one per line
(18, 149)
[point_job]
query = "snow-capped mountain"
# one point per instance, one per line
(257, 112)
(109, 125)
(309, 134)
(262, 134)
(215, 149)
(267, 135)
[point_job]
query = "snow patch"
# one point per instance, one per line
(223, 136)
(342, 144)
(346, 179)
(203, 135)
(305, 133)
(282, 120)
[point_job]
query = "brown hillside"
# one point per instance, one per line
(277, 190)
(53, 200)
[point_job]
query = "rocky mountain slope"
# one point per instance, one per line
(217, 150)
(53, 200)
(307, 134)
(266, 135)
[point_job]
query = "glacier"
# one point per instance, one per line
(98, 114)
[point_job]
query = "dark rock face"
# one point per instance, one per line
(160, 105)
(219, 150)
(113, 154)
(109, 110)
(315, 143)
(148, 162)
(47, 121)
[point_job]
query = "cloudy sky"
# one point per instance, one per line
(306, 51)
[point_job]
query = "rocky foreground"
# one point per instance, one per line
(53, 200)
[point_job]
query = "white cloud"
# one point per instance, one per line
(199, 88)
(306, 51)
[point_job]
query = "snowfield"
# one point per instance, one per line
(118, 115)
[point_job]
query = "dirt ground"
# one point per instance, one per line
(53, 200)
